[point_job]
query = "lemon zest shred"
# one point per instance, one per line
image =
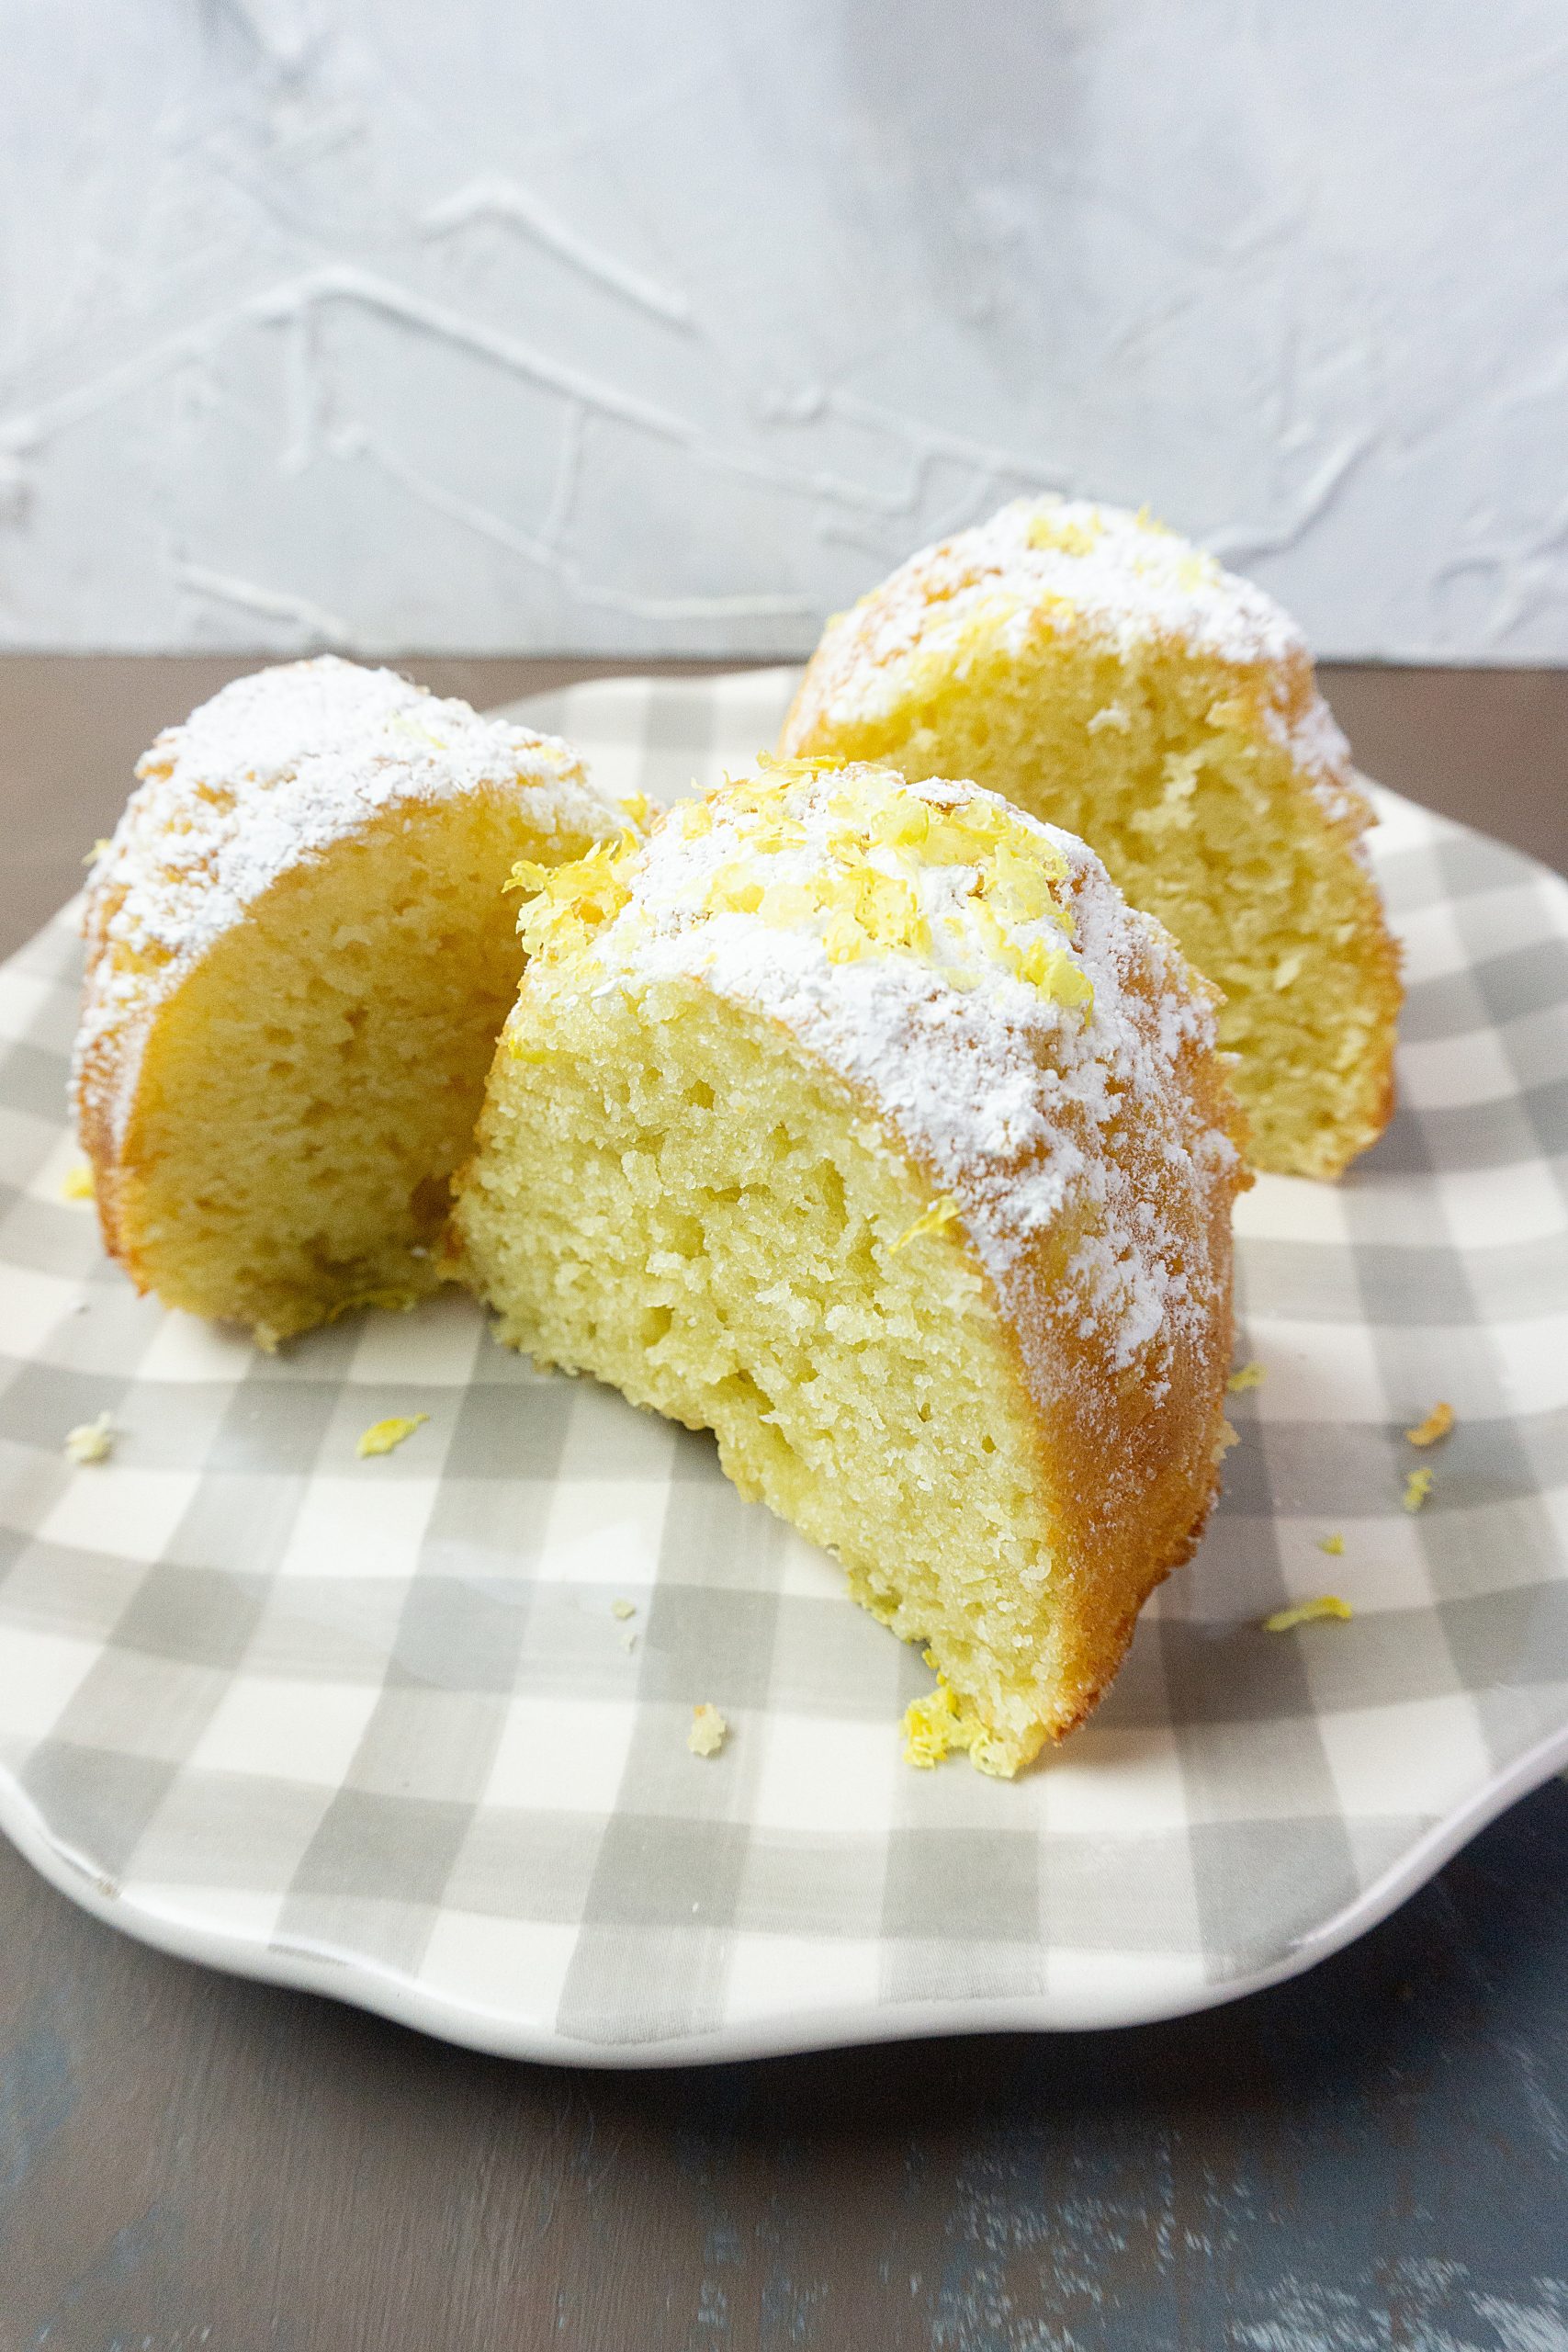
(382, 1436)
(1332, 1544)
(1307, 1613)
(77, 1183)
(1246, 1376)
(1417, 1486)
(1069, 536)
(939, 1215)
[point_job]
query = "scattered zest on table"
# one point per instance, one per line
(1307, 1613)
(623, 1609)
(708, 1730)
(1246, 1376)
(78, 1183)
(382, 1436)
(1417, 1486)
(1332, 1544)
(91, 1440)
(1438, 1424)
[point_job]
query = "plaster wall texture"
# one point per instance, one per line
(636, 329)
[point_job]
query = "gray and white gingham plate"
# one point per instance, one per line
(372, 1725)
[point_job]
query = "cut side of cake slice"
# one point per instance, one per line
(300, 955)
(1107, 677)
(867, 1127)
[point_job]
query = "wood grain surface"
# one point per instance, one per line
(1369, 2158)
(1373, 2157)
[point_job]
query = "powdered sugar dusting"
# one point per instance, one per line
(271, 771)
(1004, 1092)
(1119, 576)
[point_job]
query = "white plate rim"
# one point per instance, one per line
(403, 2001)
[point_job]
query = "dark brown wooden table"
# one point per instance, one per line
(1374, 2157)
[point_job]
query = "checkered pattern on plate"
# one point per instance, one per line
(372, 1725)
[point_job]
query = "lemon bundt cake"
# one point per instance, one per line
(1105, 676)
(299, 959)
(865, 1124)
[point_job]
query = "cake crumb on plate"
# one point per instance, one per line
(1438, 1424)
(708, 1730)
(91, 1440)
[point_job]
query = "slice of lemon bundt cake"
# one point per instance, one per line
(1105, 676)
(298, 958)
(865, 1124)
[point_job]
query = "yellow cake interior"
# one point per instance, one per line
(337, 1042)
(672, 1195)
(1160, 760)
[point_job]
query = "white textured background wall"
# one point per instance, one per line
(643, 325)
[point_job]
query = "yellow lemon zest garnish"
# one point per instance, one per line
(1332, 1544)
(901, 821)
(941, 1214)
(382, 1436)
(1197, 571)
(96, 852)
(1417, 1486)
(1054, 973)
(638, 808)
(1070, 536)
(888, 911)
(1438, 1423)
(77, 1184)
(569, 903)
(845, 939)
(865, 893)
(1246, 1376)
(1307, 1613)
(1018, 886)
(731, 892)
(787, 904)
